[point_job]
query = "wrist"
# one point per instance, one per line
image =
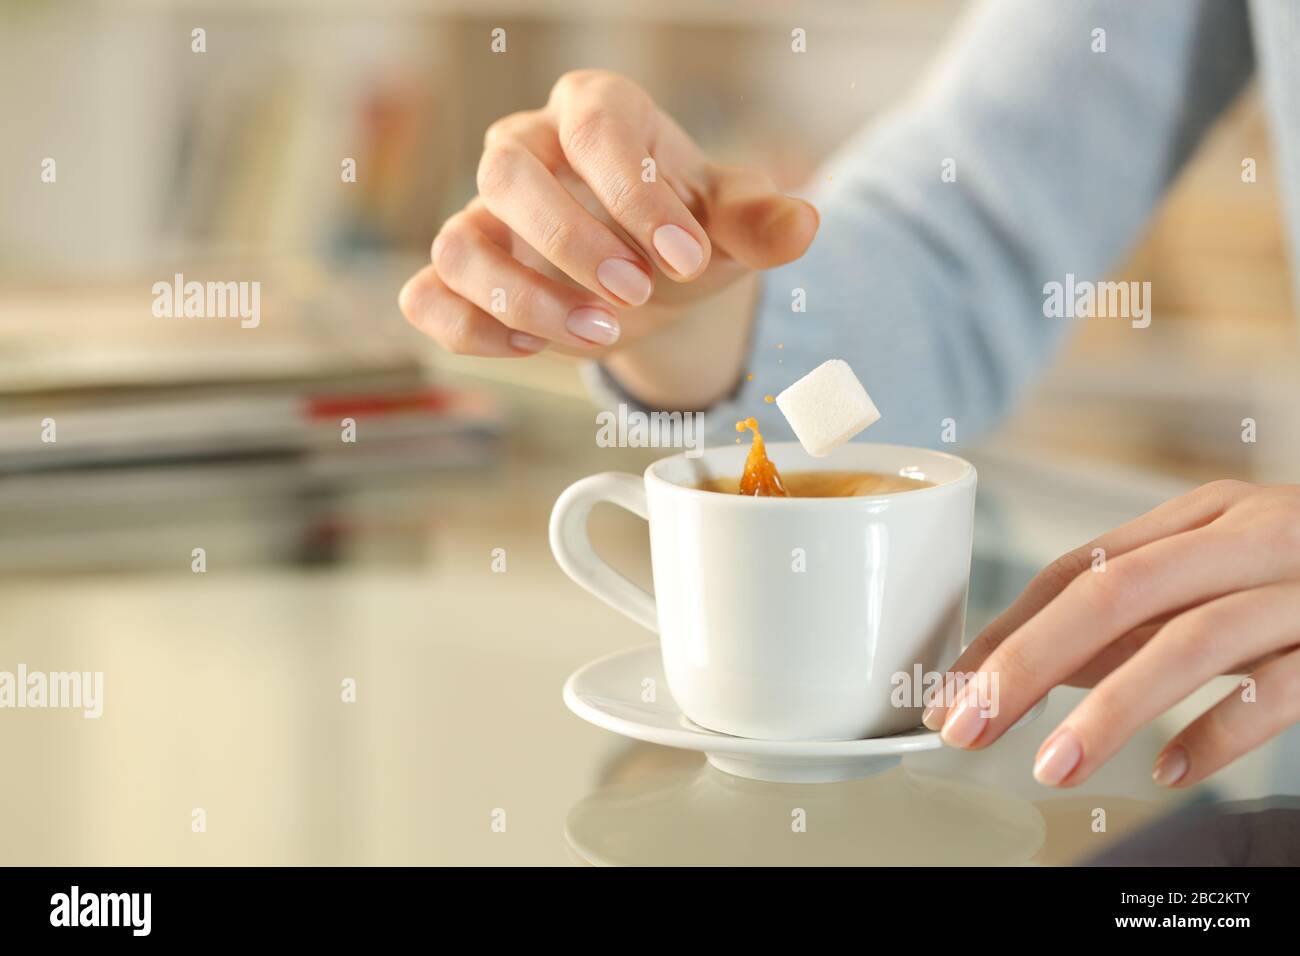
(695, 362)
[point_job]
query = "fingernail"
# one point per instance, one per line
(1171, 767)
(933, 715)
(625, 280)
(1058, 757)
(406, 297)
(523, 342)
(816, 215)
(679, 249)
(932, 718)
(595, 325)
(964, 724)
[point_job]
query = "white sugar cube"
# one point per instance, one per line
(827, 407)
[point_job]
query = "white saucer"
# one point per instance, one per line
(607, 693)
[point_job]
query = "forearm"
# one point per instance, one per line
(941, 226)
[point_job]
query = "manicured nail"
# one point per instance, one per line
(1058, 757)
(679, 249)
(523, 342)
(595, 325)
(1170, 767)
(933, 715)
(964, 724)
(625, 280)
(816, 215)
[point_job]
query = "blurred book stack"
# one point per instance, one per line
(116, 424)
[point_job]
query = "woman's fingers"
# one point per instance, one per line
(606, 126)
(1209, 640)
(519, 189)
(478, 269)
(598, 188)
(1263, 706)
(1113, 655)
(457, 325)
(1185, 513)
(1095, 609)
(754, 222)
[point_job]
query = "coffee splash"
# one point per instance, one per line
(760, 478)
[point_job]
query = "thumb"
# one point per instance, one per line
(753, 222)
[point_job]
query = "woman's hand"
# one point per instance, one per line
(584, 207)
(1205, 584)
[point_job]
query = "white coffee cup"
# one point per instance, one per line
(790, 618)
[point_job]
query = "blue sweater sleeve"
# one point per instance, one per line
(931, 285)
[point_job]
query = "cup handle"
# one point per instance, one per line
(579, 560)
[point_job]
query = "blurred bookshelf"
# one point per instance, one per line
(236, 152)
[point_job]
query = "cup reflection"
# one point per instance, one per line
(664, 808)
